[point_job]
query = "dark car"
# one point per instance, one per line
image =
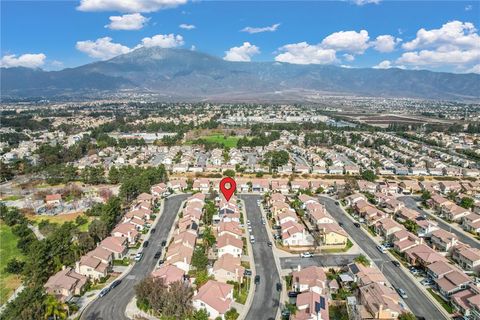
(356, 224)
(247, 272)
(292, 294)
(279, 286)
(115, 283)
(340, 224)
(257, 279)
(269, 243)
(160, 262)
(396, 263)
(157, 254)
(153, 230)
(145, 244)
(337, 203)
(164, 243)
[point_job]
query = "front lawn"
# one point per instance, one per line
(444, 304)
(338, 312)
(8, 250)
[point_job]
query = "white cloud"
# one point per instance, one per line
(349, 41)
(438, 58)
(162, 41)
(304, 53)
(385, 64)
(452, 34)
(28, 60)
(349, 57)
(456, 44)
(385, 43)
(134, 21)
(242, 53)
(128, 5)
(468, 7)
(474, 69)
(102, 48)
(187, 26)
(271, 28)
(363, 2)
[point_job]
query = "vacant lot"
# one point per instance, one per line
(8, 250)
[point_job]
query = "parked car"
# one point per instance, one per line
(356, 224)
(381, 249)
(276, 236)
(257, 279)
(164, 243)
(402, 293)
(158, 254)
(160, 262)
(115, 283)
(427, 282)
(306, 255)
(145, 244)
(138, 256)
(263, 221)
(104, 292)
(396, 263)
(248, 222)
(153, 230)
(269, 243)
(415, 271)
(247, 272)
(279, 286)
(340, 224)
(292, 294)
(252, 239)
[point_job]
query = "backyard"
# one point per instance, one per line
(8, 250)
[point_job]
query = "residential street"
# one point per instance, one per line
(322, 260)
(266, 299)
(416, 301)
(410, 202)
(113, 305)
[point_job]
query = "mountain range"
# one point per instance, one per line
(180, 74)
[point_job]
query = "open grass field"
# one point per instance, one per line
(227, 141)
(8, 250)
(61, 218)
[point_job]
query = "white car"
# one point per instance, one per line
(252, 239)
(306, 255)
(381, 249)
(248, 222)
(138, 256)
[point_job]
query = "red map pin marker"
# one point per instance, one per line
(228, 187)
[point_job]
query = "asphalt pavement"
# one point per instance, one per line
(112, 306)
(322, 260)
(266, 298)
(410, 202)
(418, 303)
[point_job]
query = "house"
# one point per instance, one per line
(332, 234)
(406, 214)
(285, 216)
(159, 190)
(450, 186)
(354, 198)
(386, 227)
(422, 255)
(364, 275)
(466, 257)
(379, 301)
(177, 184)
(92, 267)
(439, 269)
(169, 274)
(311, 278)
(65, 284)
(471, 223)
(228, 268)
(452, 282)
(426, 227)
(454, 212)
(404, 240)
(202, 185)
(215, 297)
(300, 185)
(126, 230)
(260, 185)
(179, 256)
(443, 240)
(280, 186)
(185, 238)
(352, 170)
(437, 202)
(467, 302)
(228, 244)
(53, 199)
(231, 228)
(116, 245)
(294, 234)
(409, 186)
(311, 306)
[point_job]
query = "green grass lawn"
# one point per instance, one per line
(12, 198)
(8, 250)
(227, 141)
(444, 304)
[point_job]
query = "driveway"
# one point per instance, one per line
(418, 303)
(266, 298)
(113, 305)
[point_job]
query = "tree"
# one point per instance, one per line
(201, 314)
(362, 259)
(411, 226)
(208, 238)
(467, 203)
(14, 266)
(199, 258)
(369, 175)
(27, 306)
(231, 314)
(98, 230)
(229, 173)
(114, 175)
(55, 308)
(426, 195)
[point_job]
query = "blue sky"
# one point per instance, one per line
(58, 34)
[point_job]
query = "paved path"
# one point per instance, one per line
(266, 298)
(322, 260)
(113, 305)
(410, 202)
(417, 301)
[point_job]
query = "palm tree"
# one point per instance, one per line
(55, 308)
